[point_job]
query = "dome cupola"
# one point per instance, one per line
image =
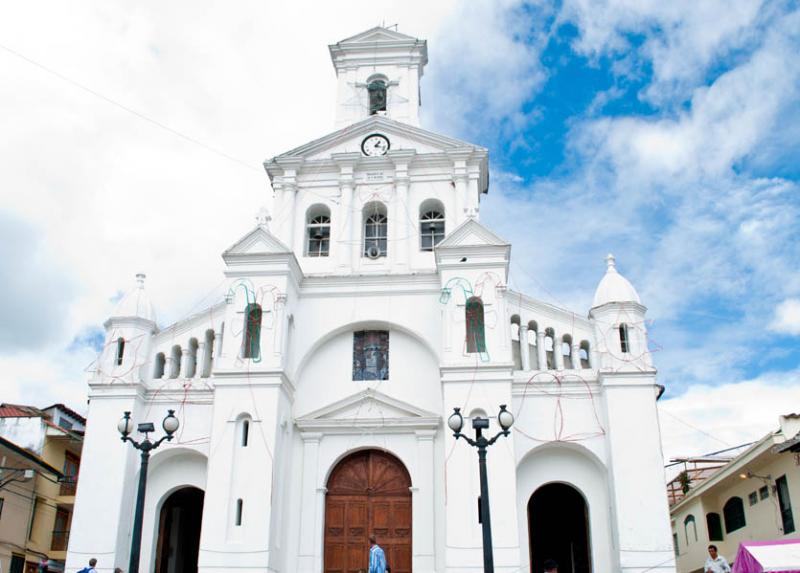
(136, 303)
(614, 287)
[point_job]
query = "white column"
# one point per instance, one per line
(344, 250)
(404, 216)
(576, 355)
(185, 357)
(289, 200)
(320, 528)
(308, 500)
(348, 223)
(423, 504)
(200, 359)
(524, 352)
(403, 232)
(473, 193)
(540, 350)
(217, 354)
(460, 179)
(290, 166)
(558, 358)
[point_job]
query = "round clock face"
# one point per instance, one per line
(374, 145)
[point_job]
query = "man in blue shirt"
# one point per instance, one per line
(377, 559)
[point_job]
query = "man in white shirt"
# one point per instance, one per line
(716, 563)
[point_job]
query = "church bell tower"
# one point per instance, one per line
(378, 73)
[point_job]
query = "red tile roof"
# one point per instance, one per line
(16, 411)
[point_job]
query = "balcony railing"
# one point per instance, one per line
(68, 486)
(59, 541)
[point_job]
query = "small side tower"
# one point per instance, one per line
(128, 333)
(619, 321)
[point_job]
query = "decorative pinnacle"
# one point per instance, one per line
(263, 217)
(140, 279)
(611, 262)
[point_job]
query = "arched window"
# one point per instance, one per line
(516, 350)
(714, 524)
(584, 354)
(566, 351)
(244, 432)
(120, 350)
(476, 340)
(690, 529)
(191, 367)
(318, 231)
(533, 344)
(377, 95)
(549, 343)
(175, 362)
(158, 366)
(376, 230)
(624, 342)
(733, 513)
(431, 224)
(208, 354)
(239, 511)
(251, 342)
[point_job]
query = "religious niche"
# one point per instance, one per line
(371, 355)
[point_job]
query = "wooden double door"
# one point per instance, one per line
(368, 493)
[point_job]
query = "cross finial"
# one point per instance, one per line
(611, 262)
(263, 217)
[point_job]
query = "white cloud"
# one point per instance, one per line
(787, 317)
(680, 40)
(708, 418)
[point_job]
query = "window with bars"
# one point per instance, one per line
(318, 232)
(376, 229)
(431, 227)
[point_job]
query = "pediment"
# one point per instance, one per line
(471, 234)
(259, 241)
(377, 34)
(368, 409)
(401, 136)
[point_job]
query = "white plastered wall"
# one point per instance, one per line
(575, 466)
(170, 470)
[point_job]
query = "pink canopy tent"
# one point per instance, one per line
(779, 556)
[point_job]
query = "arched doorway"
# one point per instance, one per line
(179, 531)
(558, 528)
(368, 492)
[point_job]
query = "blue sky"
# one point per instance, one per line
(666, 133)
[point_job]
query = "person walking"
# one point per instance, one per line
(716, 563)
(377, 558)
(90, 568)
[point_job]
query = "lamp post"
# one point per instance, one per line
(125, 427)
(456, 423)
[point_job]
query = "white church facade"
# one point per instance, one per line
(313, 399)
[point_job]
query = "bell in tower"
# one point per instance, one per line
(377, 96)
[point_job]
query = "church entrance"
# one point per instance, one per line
(179, 531)
(558, 528)
(368, 492)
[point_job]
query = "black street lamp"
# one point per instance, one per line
(125, 427)
(456, 422)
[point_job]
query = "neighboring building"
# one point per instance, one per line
(18, 476)
(53, 435)
(754, 496)
(312, 399)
